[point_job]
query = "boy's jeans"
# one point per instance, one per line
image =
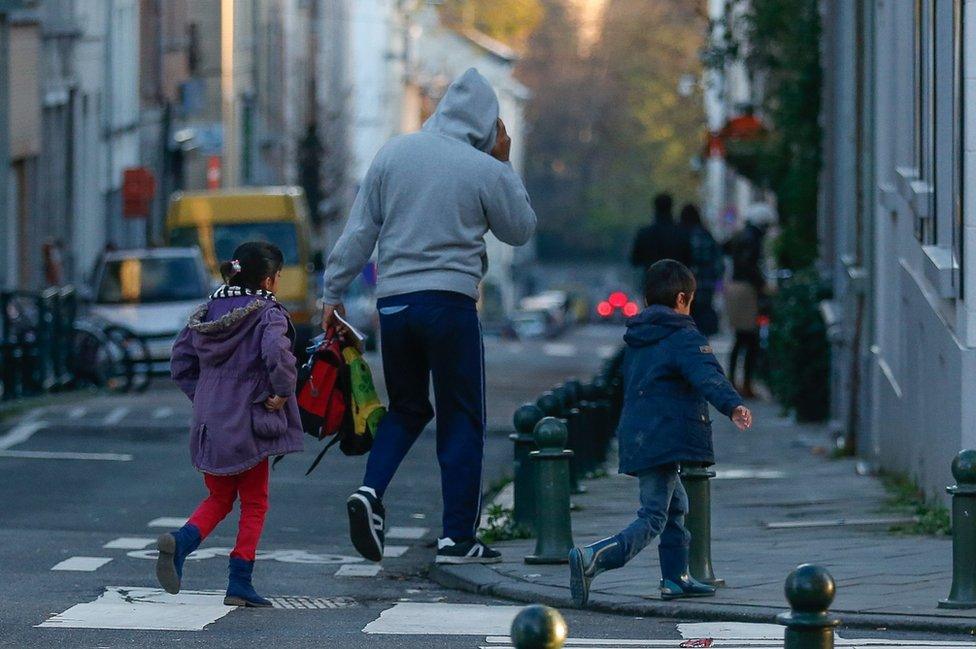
(664, 505)
(434, 334)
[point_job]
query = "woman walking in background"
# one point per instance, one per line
(743, 295)
(708, 265)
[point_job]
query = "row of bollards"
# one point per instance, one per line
(809, 624)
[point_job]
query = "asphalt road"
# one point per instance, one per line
(86, 480)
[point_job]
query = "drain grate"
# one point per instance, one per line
(312, 602)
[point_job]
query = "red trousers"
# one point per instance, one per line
(252, 487)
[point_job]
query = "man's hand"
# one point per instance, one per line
(329, 319)
(742, 418)
(503, 143)
(275, 403)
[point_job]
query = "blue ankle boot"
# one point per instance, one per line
(587, 562)
(676, 583)
(240, 592)
(174, 548)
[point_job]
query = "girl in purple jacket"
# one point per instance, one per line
(234, 361)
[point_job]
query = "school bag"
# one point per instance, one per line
(337, 397)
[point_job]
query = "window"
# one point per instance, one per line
(152, 280)
(937, 199)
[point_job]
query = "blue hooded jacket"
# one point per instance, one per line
(670, 376)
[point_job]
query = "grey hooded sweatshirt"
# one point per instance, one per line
(428, 200)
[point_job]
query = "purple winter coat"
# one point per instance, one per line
(233, 354)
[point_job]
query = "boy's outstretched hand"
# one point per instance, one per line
(742, 418)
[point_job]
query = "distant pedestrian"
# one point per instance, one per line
(708, 265)
(427, 202)
(663, 239)
(746, 292)
(670, 376)
(234, 361)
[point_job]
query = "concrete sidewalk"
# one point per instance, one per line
(771, 483)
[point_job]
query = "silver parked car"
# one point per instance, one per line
(152, 294)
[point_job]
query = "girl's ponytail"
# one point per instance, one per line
(229, 269)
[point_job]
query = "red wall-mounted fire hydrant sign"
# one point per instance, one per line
(138, 189)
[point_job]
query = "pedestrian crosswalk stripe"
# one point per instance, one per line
(407, 533)
(728, 643)
(129, 543)
(122, 607)
(395, 550)
(77, 413)
(167, 521)
(731, 630)
(560, 350)
(358, 570)
(81, 564)
(115, 416)
(417, 618)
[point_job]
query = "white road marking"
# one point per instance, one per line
(67, 455)
(20, 433)
(358, 570)
(408, 533)
(394, 551)
(77, 412)
(840, 522)
(504, 642)
(284, 556)
(82, 564)
(162, 413)
(561, 350)
(415, 618)
(144, 609)
(167, 521)
(748, 474)
(129, 543)
(115, 416)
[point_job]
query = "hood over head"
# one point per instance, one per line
(468, 112)
(655, 323)
(222, 324)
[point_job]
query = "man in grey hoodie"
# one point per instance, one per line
(427, 202)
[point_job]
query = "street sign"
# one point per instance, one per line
(138, 189)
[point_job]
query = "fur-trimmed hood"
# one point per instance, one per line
(224, 324)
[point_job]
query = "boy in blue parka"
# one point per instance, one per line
(670, 376)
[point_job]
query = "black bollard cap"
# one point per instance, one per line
(549, 404)
(539, 627)
(527, 417)
(550, 434)
(964, 467)
(810, 591)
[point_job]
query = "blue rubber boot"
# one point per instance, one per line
(676, 583)
(588, 561)
(240, 592)
(174, 548)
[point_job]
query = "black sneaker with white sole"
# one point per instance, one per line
(367, 523)
(470, 551)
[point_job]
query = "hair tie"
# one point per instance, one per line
(235, 267)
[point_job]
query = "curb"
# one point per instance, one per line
(482, 580)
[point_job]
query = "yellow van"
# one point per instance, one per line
(218, 221)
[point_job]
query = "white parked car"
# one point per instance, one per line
(151, 293)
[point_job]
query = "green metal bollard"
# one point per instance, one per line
(539, 627)
(963, 591)
(525, 420)
(695, 479)
(553, 526)
(809, 625)
(574, 442)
